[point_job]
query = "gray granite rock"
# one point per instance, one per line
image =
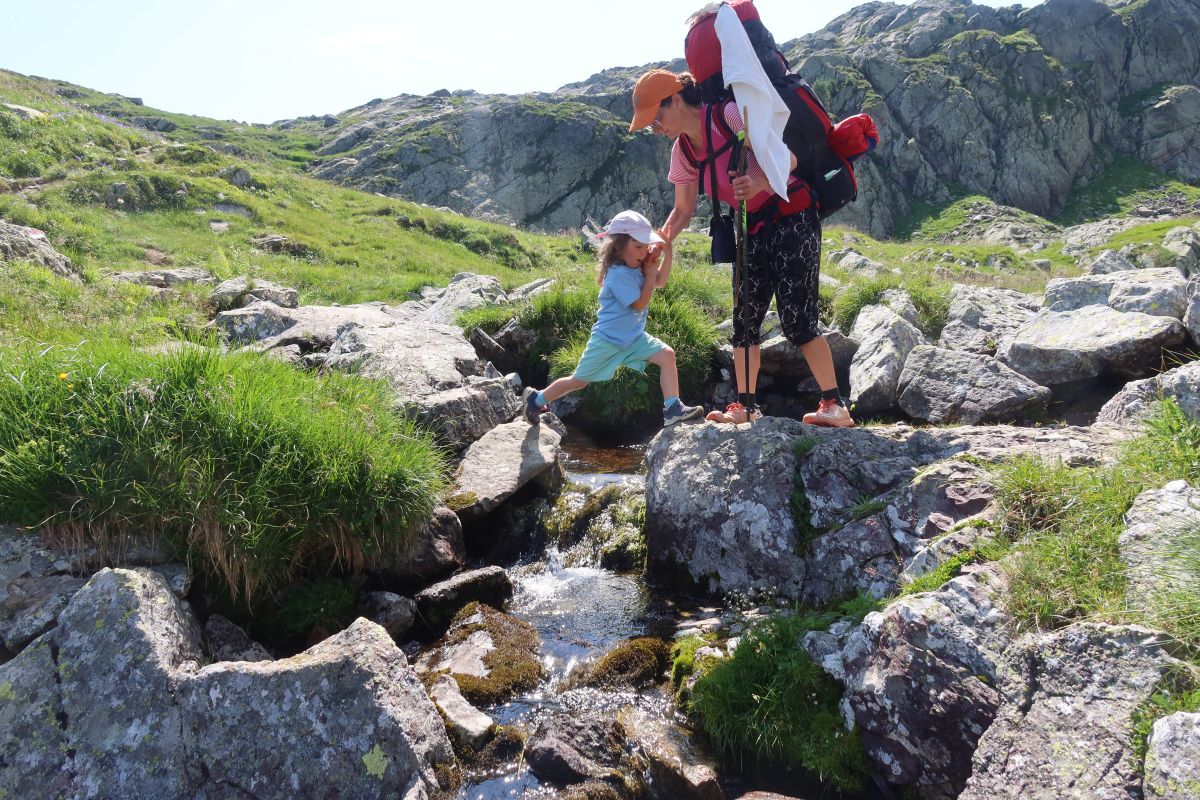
(1056, 348)
(472, 727)
(981, 317)
(242, 291)
(1068, 702)
(1161, 527)
(1137, 399)
(18, 242)
(949, 386)
(884, 341)
(503, 461)
(438, 604)
(226, 641)
(1173, 758)
(1158, 292)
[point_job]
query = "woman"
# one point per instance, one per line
(783, 248)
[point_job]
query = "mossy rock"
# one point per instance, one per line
(637, 663)
(513, 664)
(593, 790)
(606, 526)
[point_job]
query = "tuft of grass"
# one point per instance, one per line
(931, 299)
(770, 699)
(251, 469)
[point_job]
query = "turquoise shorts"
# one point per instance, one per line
(601, 358)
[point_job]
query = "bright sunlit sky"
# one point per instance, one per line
(259, 61)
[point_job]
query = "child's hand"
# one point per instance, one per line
(653, 258)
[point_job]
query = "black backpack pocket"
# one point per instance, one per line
(833, 183)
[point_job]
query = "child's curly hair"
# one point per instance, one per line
(611, 248)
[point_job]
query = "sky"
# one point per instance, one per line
(260, 60)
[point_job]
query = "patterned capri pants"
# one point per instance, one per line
(783, 260)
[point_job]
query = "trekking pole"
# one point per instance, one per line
(740, 230)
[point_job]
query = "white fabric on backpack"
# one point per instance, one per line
(765, 112)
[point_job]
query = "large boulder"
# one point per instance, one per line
(437, 604)
(948, 386)
(502, 462)
(1056, 348)
(1069, 705)
(242, 291)
(1158, 292)
(433, 550)
(19, 243)
(114, 702)
(1191, 316)
(884, 342)
(463, 415)
(1109, 261)
(465, 291)
(1160, 530)
(919, 679)
(981, 317)
(1173, 758)
(571, 749)
(784, 361)
(1184, 244)
(1137, 398)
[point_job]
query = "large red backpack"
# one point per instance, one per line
(823, 151)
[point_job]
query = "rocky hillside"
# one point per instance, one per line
(1025, 106)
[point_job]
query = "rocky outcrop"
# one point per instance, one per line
(1057, 348)
(1068, 701)
(780, 505)
(1021, 105)
(166, 278)
(19, 243)
(919, 679)
(884, 342)
(948, 386)
(1137, 399)
(114, 701)
(239, 292)
(981, 317)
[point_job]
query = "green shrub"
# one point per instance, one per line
(771, 700)
(252, 469)
(633, 395)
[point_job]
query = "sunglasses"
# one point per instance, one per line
(657, 123)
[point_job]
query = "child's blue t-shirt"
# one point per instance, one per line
(617, 321)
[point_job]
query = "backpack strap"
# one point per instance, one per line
(731, 143)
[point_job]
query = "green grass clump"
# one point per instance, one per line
(931, 299)
(771, 700)
(252, 469)
(683, 657)
(637, 396)
(1066, 523)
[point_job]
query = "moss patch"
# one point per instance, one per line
(638, 663)
(513, 664)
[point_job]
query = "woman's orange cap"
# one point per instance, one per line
(649, 91)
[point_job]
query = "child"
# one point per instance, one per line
(629, 274)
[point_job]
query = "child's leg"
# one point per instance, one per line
(667, 371)
(562, 387)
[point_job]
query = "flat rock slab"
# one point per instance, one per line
(438, 604)
(1066, 722)
(981, 317)
(499, 464)
(114, 701)
(472, 727)
(1056, 348)
(1158, 292)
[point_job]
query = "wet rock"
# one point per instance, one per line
(434, 550)
(491, 655)
(438, 604)
(464, 415)
(1157, 292)
(228, 642)
(948, 386)
(981, 317)
(1108, 262)
(117, 691)
(884, 342)
(679, 769)
(569, 749)
(239, 292)
(472, 727)
(503, 461)
(1056, 348)
(1160, 529)
(1137, 399)
(392, 612)
(1172, 760)
(600, 526)
(919, 680)
(1069, 702)
(18, 242)
(166, 278)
